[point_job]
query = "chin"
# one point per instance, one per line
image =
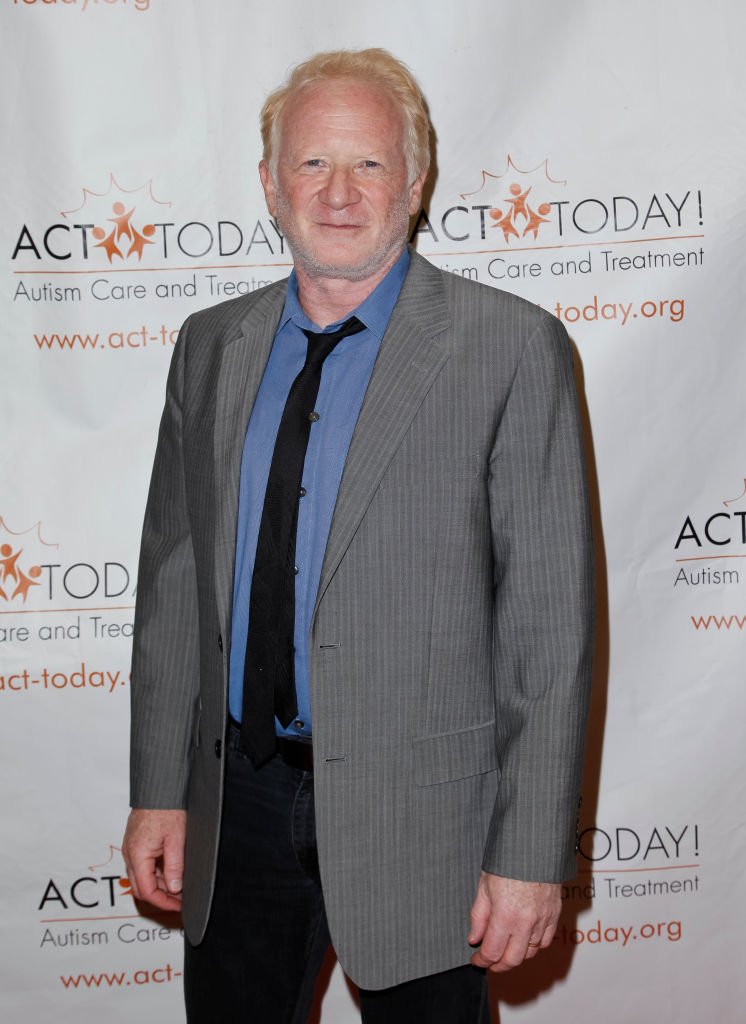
(350, 268)
(341, 271)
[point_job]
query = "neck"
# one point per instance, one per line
(329, 299)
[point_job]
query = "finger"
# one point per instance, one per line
(128, 853)
(173, 863)
(549, 932)
(494, 943)
(146, 884)
(143, 874)
(514, 953)
(130, 872)
(130, 875)
(157, 897)
(160, 882)
(506, 942)
(479, 918)
(541, 938)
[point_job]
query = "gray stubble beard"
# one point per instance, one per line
(315, 268)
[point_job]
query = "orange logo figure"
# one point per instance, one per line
(26, 582)
(513, 213)
(123, 228)
(127, 236)
(9, 570)
(107, 242)
(139, 241)
(121, 222)
(520, 211)
(8, 562)
(518, 202)
(505, 222)
(536, 217)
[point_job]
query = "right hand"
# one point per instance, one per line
(153, 849)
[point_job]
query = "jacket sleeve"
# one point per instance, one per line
(543, 618)
(165, 657)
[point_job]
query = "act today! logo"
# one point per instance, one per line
(120, 222)
(514, 212)
(511, 206)
(124, 227)
(521, 208)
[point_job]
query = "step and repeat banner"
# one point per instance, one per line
(590, 158)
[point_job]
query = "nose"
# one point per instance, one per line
(340, 189)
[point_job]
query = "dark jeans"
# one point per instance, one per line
(268, 934)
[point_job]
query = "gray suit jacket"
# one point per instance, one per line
(451, 637)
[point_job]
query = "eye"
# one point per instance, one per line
(313, 162)
(370, 164)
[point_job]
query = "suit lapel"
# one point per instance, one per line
(245, 353)
(412, 354)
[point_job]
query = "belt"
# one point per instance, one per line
(294, 753)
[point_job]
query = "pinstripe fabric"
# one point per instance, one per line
(451, 636)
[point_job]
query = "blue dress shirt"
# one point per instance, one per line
(344, 380)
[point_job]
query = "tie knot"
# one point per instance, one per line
(321, 343)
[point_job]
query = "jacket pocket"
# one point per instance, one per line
(455, 755)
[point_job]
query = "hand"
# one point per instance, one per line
(511, 920)
(153, 849)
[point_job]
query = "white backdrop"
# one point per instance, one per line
(590, 158)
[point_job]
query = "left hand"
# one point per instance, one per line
(512, 920)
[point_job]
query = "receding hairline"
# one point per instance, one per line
(308, 88)
(374, 68)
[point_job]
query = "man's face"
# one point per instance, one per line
(341, 192)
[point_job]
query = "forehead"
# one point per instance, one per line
(341, 108)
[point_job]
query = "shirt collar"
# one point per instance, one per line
(374, 311)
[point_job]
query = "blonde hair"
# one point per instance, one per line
(376, 66)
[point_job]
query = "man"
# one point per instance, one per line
(386, 750)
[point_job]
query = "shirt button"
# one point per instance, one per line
(313, 417)
(296, 570)
(303, 492)
(299, 724)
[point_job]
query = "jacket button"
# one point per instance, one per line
(220, 643)
(218, 749)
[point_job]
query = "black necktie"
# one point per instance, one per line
(269, 678)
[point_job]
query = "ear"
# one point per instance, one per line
(268, 185)
(415, 193)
